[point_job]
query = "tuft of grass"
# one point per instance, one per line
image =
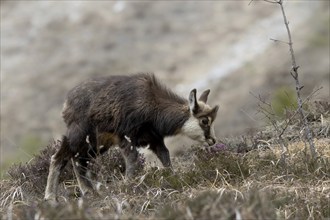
(232, 166)
(284, 100)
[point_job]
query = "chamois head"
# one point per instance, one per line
(199, 126)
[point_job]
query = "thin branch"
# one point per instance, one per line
(312, 94)
(247, 114)
(278, 41)
(273, 2)
(293, 59)
(250, 2)
(260, 99)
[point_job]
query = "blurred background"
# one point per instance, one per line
(47, 47)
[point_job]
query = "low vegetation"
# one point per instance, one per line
(239, 178)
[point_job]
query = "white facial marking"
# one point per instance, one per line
(192, 129)
(209, 120)
(212, 133)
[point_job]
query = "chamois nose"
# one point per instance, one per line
(210, 141)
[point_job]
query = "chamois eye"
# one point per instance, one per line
(205, 121)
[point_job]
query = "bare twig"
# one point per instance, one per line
(248, 115)
(250, 2)
(272, 1)
(278, 41)
(294, 73)
(269, 1)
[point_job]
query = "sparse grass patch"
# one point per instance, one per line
(32, 176)
(240, 178)
(223, 204)
(232, 166)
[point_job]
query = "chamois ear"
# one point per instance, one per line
(204, 96)
(193, 104)
(214, 112)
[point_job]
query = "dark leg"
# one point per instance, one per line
(90, 150)
(162, 152)
(80, 170)
(81, 160)
(130, 155)
(57, 164)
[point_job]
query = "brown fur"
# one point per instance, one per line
(131, 111)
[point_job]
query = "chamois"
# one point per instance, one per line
(130, 111)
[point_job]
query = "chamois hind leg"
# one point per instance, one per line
(80, 164)
(80, 170)
(130, 155)
(57, 164)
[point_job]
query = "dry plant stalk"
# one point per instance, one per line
(267, 110)
(294, 74)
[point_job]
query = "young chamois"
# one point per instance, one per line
(130, 111)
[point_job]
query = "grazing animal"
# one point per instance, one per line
(130, 111)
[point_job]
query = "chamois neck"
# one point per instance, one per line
(171, 118)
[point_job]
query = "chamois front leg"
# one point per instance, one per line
(162, 153)
(80, 164)
(80, 170)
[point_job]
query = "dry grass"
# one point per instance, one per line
(240, 178)
(221, 184)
